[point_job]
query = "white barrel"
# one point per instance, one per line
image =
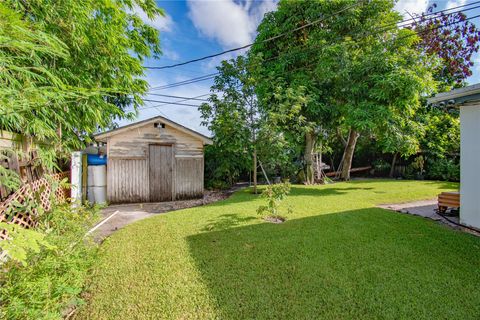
(90, 176)
(90, 195)
(99, 176)
(100, 194)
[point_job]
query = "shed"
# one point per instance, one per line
(154, 160)
(467, 99)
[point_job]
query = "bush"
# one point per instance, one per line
(48, 286)
(443, 169)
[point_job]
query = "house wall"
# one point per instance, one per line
(470, 165)
(128, 163)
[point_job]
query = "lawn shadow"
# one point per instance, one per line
(367, 263)
(319, 191)
(440, 184)
(226, 221)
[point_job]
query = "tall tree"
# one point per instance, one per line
(103, 44)
(288, 72)
(359, 68)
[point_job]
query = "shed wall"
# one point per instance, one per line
(128, 171)
(127, 180)
(134, 143)
(189, 178)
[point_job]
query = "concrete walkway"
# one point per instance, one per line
(118, 216)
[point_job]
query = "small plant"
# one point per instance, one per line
(419, 164)
(275, 194)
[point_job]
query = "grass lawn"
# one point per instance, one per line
(336, 257)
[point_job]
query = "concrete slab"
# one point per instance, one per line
(118, 216)
(426, 209)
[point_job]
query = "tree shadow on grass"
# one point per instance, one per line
(302, 191)
(441, 184)
(226, 221)
(367, 263)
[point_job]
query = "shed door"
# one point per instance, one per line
(161, 177)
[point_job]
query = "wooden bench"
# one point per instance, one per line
(448, 200)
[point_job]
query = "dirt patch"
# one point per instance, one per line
(276, 219)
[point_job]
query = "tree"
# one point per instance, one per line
(453, 39)
(233, 116)
(88, 77)
(287, 73)
(357, 72)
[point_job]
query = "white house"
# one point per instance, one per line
(468, 101)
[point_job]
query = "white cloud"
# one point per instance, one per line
(170, 54)
(455, 3)
(161, 23)
(229, 22)
(406, 7)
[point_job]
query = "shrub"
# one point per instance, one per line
(443, 169)
(275, 194)
(49, 283)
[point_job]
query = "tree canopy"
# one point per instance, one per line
(360, 71)
(73, 67)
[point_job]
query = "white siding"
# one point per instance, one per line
(470, 165)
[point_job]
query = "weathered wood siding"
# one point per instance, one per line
(134, 143)
(161, 173)
(130, 165)
(127, 180)
(189, 178)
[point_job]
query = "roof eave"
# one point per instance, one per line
(102, 137)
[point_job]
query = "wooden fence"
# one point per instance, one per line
(38, 190)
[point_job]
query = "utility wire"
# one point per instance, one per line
(289, 32)
(172, 102)
(184, 82)
(168, 103)
(264, 41)
(283, 55)
(177, 97)
(399, 38)
(278, 56)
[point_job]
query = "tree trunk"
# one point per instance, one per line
(348, 154)
(308, 155)
(255, 170)
(392, 168)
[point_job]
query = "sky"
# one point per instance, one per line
(196, 28)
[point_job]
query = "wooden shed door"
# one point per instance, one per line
(161, 177)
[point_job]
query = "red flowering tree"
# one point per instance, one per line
(452, 38)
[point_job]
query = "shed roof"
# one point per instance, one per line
(461, 96)
(102, 137)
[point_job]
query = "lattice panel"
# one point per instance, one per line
(38, 190)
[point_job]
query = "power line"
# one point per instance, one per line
(400, 38)
(292, 31)
(381, 29)
(172, 102)
(168, 103)
(251, 44)
(177, 97)
(185, 82)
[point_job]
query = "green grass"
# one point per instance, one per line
(336, 257)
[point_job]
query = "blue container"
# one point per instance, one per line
(96, 160)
